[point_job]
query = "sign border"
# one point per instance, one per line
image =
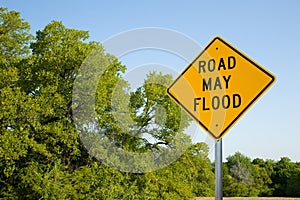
(273, 78)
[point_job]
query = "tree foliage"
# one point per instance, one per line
(41, 154)
(260, 177)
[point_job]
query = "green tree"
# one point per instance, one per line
(189, 176)
(240, 168)
(16, 108)
(57, 54)
(283, 171)
(37, 131)
(155, 114)
(245, 178)
(41, 153)
(293, 183)
(14, 36)
(262, 181)
(202, 177)
(264, 172)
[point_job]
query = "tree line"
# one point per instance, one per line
(43, 157)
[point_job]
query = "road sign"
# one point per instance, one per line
(219, 85)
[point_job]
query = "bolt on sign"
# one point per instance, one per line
(219, 85)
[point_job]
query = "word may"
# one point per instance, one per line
(207, 83)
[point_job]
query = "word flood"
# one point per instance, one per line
(217, 102)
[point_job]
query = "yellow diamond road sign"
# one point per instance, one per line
(219, 85)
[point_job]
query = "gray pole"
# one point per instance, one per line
(218, 170)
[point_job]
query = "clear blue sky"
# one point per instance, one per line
(267, 31)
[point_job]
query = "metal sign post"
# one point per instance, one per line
(218, 170)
